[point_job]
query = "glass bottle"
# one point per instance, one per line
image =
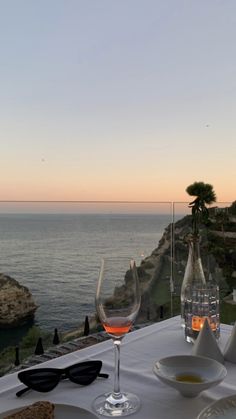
(194, 275)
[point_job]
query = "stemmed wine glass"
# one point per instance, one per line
(117, 304)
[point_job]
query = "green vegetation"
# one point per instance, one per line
(224, 253)
(28, 344)
(26, 348)
(232, 208)
(227, 312)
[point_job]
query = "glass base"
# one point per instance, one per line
(108, 405)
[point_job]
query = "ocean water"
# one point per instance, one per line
(57, 256)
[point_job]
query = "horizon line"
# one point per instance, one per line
(100, 202)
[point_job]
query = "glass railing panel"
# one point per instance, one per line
(217, 245)
(54, 249)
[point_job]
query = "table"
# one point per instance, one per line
(140, 349)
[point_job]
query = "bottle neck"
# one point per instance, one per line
(194, 249)
(194, 273)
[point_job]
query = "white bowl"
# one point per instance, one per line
(189, 374)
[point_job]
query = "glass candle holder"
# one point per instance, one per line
(201, 304)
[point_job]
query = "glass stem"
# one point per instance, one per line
(117, 393)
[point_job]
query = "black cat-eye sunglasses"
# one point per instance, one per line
(46, 379)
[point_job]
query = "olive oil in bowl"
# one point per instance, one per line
(189, 378)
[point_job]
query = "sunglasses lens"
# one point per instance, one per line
(40, 380)
(84, 373)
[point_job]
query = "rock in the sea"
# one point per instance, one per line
(16, 303)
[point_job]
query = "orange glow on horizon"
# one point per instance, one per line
(40, 192)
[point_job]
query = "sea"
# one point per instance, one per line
(57, 257)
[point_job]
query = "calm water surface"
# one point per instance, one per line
(57, 256)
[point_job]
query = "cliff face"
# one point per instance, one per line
(16, 303)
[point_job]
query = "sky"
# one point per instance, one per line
(117, 99)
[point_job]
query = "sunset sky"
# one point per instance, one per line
(117, 99)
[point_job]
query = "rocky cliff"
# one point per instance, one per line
(16, 303)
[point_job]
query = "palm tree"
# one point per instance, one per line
(205, 194)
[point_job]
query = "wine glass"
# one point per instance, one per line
(117, 304)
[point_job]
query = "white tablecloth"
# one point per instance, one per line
(139, 351)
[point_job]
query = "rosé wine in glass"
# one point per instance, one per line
(117, 303)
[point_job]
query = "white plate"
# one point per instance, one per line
(62, 411)
(222, 409)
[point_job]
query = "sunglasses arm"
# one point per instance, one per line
(24, 390)
(103, 375)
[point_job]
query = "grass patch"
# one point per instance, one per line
(160, 292)
(26, 348)
(227, 313)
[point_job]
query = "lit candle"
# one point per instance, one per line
(198, 322)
